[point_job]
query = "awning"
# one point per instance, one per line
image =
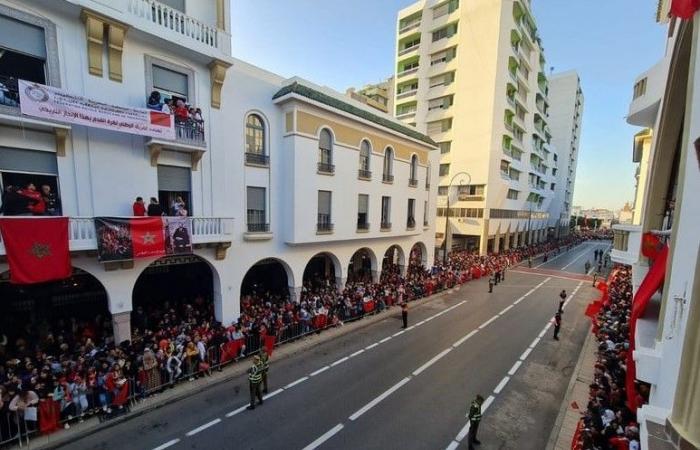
(651, 283)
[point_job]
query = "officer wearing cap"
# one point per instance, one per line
(474, 420)
(254, 379)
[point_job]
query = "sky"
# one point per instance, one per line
(344, 43)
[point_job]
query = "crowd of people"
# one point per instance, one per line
(178, 208)
(189, 122)
(27, 200)
(607, 423)
(75, 365)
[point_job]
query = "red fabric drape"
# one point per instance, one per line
(269, 344)
(37, 249)
(651, 283)
(49, 416)
(684, 9)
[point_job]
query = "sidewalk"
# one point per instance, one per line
(231, 371)
(565, 426)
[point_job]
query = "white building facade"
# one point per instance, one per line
(667, 342)
(283, 171)
(472, 75)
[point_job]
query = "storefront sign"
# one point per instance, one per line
(48, 102)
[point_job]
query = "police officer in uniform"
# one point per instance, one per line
(562, 296)
(490, 284)
(474, 420)
(557, 325)
(264, 366)
(254, 379)
(404, 314)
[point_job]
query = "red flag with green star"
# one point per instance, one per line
(37, 249)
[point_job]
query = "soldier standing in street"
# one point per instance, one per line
(474, 420)
(404, 314)
(595, 278)
(254, 379)
(562, 296)
(491, 284)
(557, 325)
(264, 366)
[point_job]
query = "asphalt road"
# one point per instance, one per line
(384, 388)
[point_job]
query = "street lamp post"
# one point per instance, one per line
(447, 211)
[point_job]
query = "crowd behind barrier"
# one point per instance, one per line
(607, 423)
(53, 374)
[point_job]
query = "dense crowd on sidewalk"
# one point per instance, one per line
(76, 365)
(607, 423)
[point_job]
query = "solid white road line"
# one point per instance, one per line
(202, 427)
(167, 444)
(488, 322)
(487, 403)
(464, 431)
(501, 385)
(463, 339)
(273, 393)
(294, 383)
(236, 411)
(535, 342)
(542, 333)
(453, 445)
(505, 310)
(515, 368)
(432, 361)
(340, 361)
(525, 354)
(316, 372)
(324, 437)
(374, 402)
(362, 350)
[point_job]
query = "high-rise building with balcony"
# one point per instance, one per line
(379, 96)
(472, 75)
(565, 112)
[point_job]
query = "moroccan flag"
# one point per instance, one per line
(269, 344)
(37, 249)
(147, 237)
(684, 9)
(651, 245)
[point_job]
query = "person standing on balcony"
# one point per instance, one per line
(154, 208)
(139, 208)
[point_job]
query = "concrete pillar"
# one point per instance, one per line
(121, 326)
(506, 245)
(375, 276)
(295, 293)
(484, 238)
(516, 239)
(402, 269)
(340, 283)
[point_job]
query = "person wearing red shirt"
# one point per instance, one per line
(139, 208)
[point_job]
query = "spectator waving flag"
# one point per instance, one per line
(37, 249)
(120, 239)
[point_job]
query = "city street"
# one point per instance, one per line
(382, 387)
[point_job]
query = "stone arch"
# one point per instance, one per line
(418, 256)
(324, 265)
(393, 259)
(363, 266)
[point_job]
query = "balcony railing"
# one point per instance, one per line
(627, 241)
(362, 225)
(386, 225)
(175, 20)
(257, 159)
(407, 72)
(205, 230)
(326, 168)
(412, 182)
(411, 223)
(408, 49)
(258, 227)
(323, 223)
(364, 174)
(405, 94)
(9, 91)
(409, 26)
(387, 178)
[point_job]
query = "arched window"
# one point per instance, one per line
(255, 135)
(414, 168)
(365, 152)
(427, 177)
(325, 151)
(389, 164)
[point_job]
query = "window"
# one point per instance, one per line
(445, 147)
(443, 56)
(425, 213)
(439, 126)
(442, 80)
(554, 171)
(472, 190)
(407, 87)
(29, 170)
(324, 211)
(254, 136)
(514, 174)
(442, 190)
(552, 186)
(427, 177)
(444, 170)
(414, 169)
(175, 4)
(505, 166)
(255, 209)
(365, 155)
(512, 194)
(440, 103)
(388, 168)
(325, 152)
(411, 213)
(362, 211)
(170, 83)
(22, 56)
(386, 212)
(445, 32)
(445, 8)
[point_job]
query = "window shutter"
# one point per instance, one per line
(170, 80)
(256, 198)
(174, 179)
(363, 203)
(324, 202)
(22, 37)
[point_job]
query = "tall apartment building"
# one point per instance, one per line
(379, 96)
(472, 76)
(666, 343)
(565, 115)
(281, 179)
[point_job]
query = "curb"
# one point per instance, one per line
(556, 429)
(237, 370)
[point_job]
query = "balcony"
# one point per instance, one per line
(646, 98)
(205, 230)
(9, 92)
(324, 224)
(409, 26)
(362, 226)
(385, 226)
(326, 168)
(411, 223)
(406, 72)
(363, 174)
(257, 159)
(409, 50)
(406, 94)
(412, 182)
(627, 240)
(387, 178)
(464, 197)
(406, 115)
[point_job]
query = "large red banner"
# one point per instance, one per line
(120, 239)
(37, 249)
